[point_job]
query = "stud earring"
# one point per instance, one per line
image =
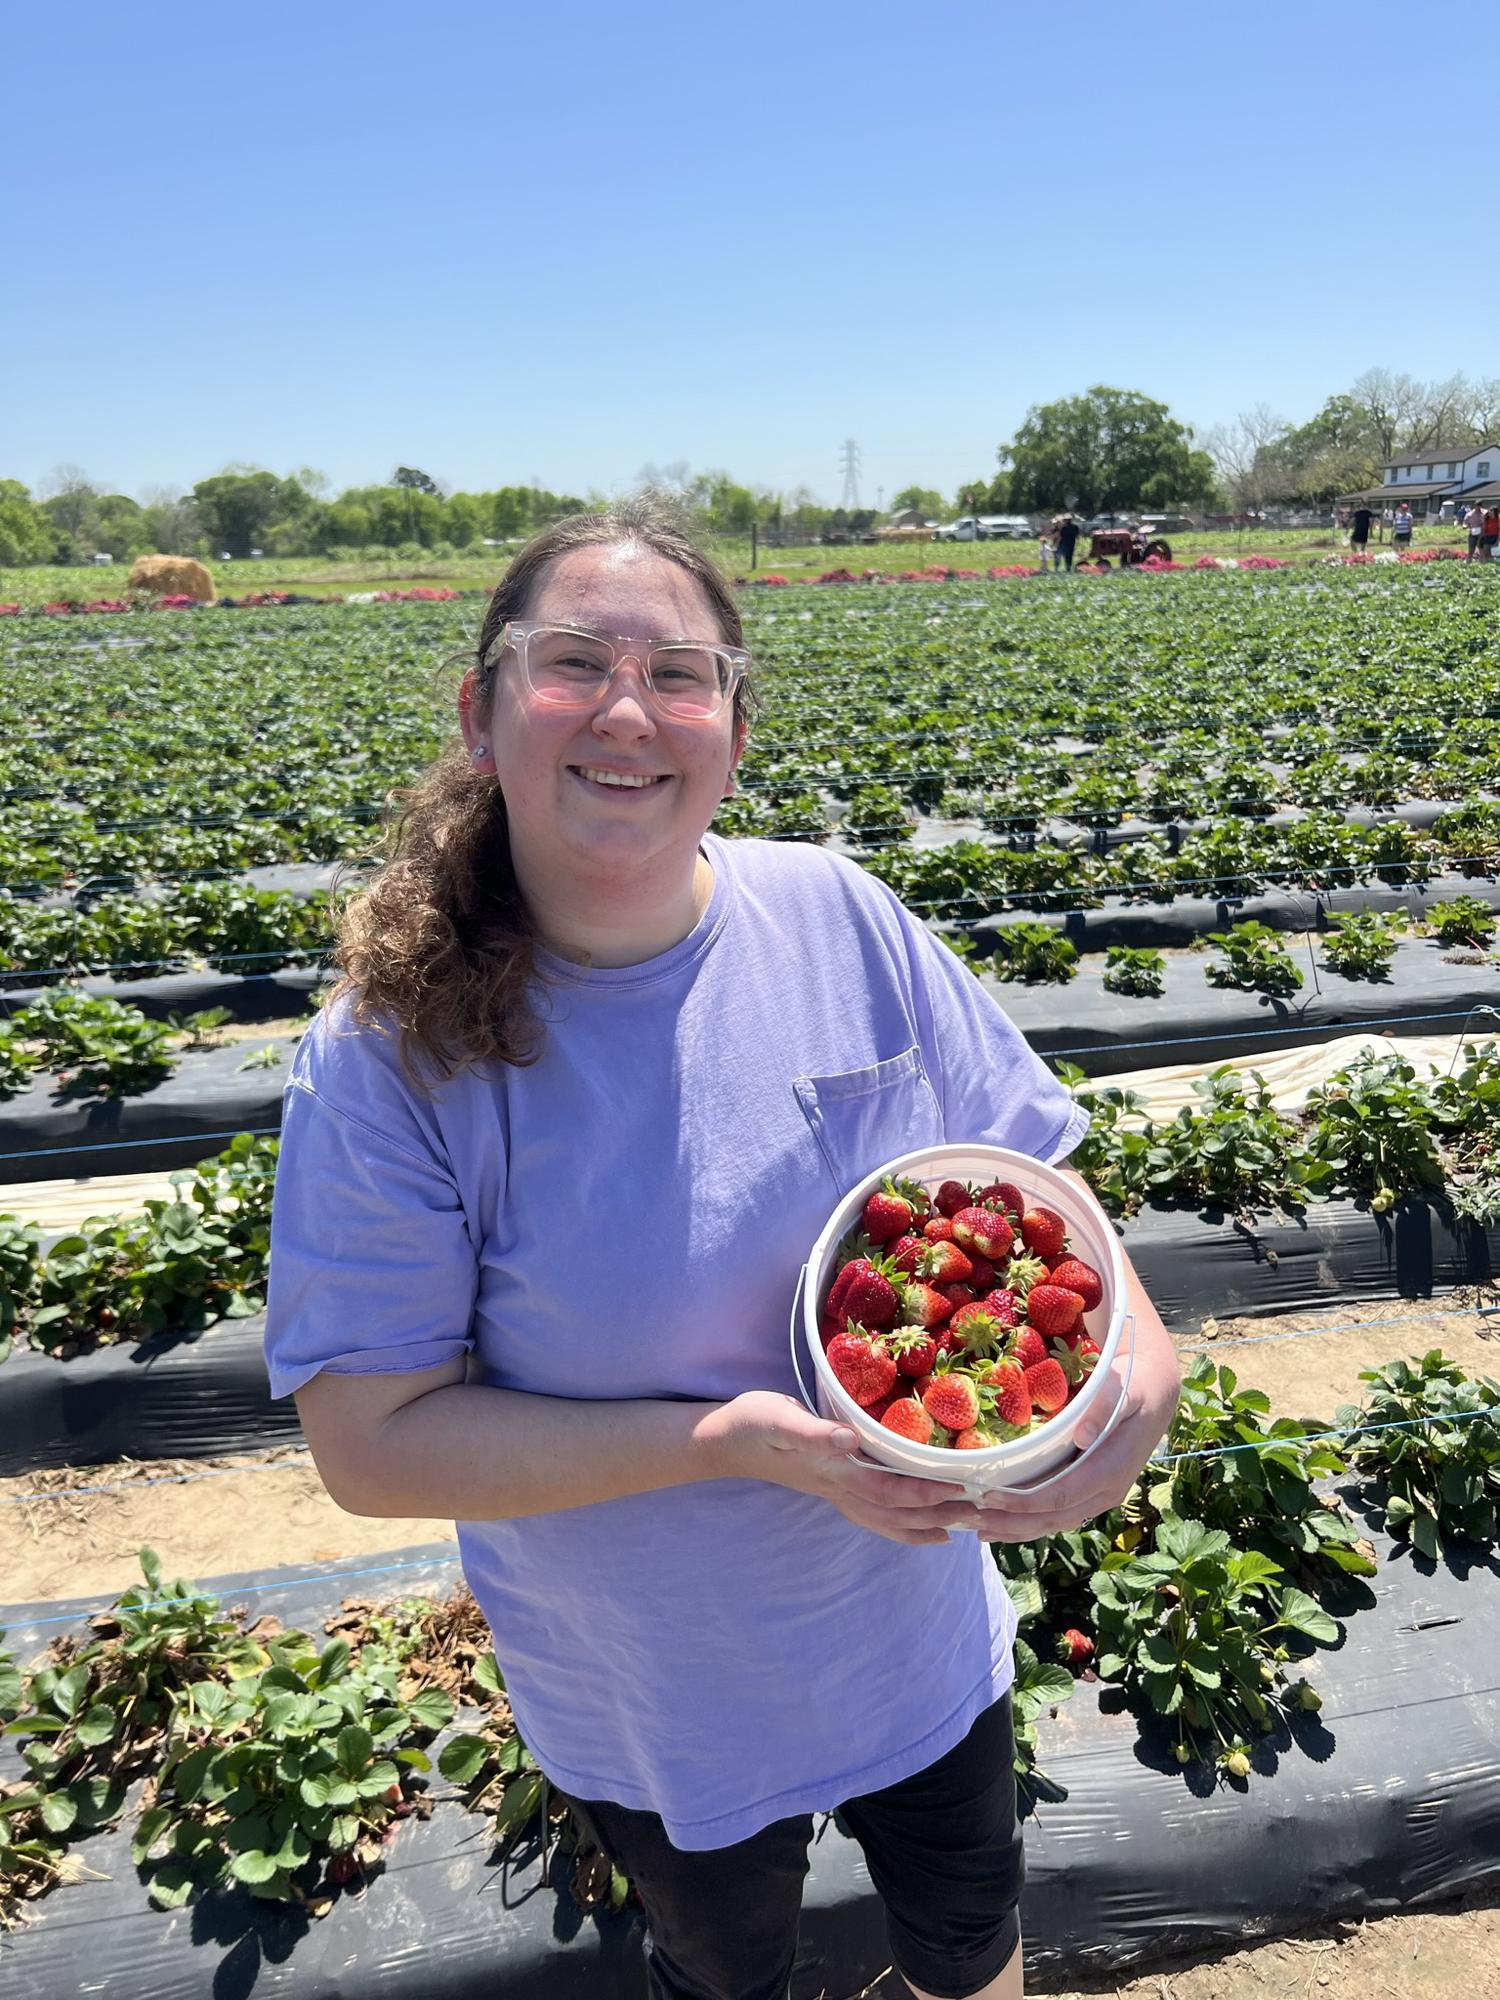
(479, 749)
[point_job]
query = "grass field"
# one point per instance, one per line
(319, 576)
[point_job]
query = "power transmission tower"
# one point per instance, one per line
(850, 457)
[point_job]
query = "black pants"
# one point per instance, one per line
(943, 1848)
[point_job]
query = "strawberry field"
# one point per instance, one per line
(1174, 819)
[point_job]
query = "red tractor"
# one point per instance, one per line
(1128, 546)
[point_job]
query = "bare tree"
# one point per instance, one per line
(70, 495)
(1241, 455)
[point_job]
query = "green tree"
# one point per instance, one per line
(239, 507)
(419, 482)
(26, 534)
(120, 528)
(922, 500)
(1108, 449)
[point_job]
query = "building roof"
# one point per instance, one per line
(1409, 489)
(1436, 454)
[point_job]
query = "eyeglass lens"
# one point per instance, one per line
(572, 667)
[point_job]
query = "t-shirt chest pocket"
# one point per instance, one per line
(863, 1117)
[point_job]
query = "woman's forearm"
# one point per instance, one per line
(474, 1453)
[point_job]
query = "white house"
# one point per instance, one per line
(1425, 479)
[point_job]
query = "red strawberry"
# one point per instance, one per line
(1076, 1363)
(878, 1410)
(953, 1402)
(919, 1385)
(887, 1216)
(908, 1419)
(1075, 1648)
(1022, 1272)
(1005, 1196)
(342, 1868)
(833, 1308)
(1026, 1347)
(980, 1332)
(1044, 1232)
(938, 1229)
(1047, 1386)
(1012, 1397)
(1081, 1278)
(983, 1275)
(958, 1295)
(977, 1438)
(905, 1251)
(1052, 1309)
(829, 1329)
(983, 1230)
(924, 1305)
(1002, 1305)
(871, 1298)
(862, 1366)
(915, 1350)
(950, 1198)
(944, 1264)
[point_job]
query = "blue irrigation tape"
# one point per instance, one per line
(161, 1139)
(1270, 1028)
(1312, 1437)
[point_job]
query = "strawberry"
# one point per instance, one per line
(878, 1409)
(887, 1216)
(958, 1295)
(870, 1297)
(829, 1329)
(1026, 1347)
(938, 1229)
(1076, 1364)
(1075, 1648)
(914, 1349)
(908, 1419)
(983, 1275)
(861, 1365)
(1005, 1196)
(977, 1438)
(1047, 1386)
(950, 1198)
(1022, 1272)
(1081, 1278)
(1002, 1305)
(944, 1264)
(980, 1332)
(905, 1251)
(983, 1230)
(953, 1402)
(1012, 1397)
(1044, 1232)
(342, 1868)
(919, 1385)
(1051, 1309)
(924, 1305)
(833, 1307)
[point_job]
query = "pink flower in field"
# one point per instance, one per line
(10, 610)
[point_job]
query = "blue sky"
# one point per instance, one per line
(560, 243)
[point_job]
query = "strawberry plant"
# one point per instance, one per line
(1033, 952)
(200, 1030)
(1464, 920)
(1114, 1153)
(16, 1064)
(1254, 959)
(1372, 1125)
(1234, 1151)
(284, 1778)
(877, 816)
(1134, 970)
(1362, 945)
(1229, 1469)
(1437, 1465)
(1192, 1625)
(101, 1044)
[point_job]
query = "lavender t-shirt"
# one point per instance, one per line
(627, 1218)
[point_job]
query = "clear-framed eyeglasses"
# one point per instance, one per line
(569, 666)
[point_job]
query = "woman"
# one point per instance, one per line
(550, 1162)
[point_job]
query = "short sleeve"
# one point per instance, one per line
(992, 1085)
(372, 1267)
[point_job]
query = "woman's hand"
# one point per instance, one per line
(765, 1435)
(1106, 1476)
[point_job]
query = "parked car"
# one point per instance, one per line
(985, 528)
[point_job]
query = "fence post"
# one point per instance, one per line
(754, 545)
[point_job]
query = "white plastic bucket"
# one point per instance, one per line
(1048, 1448)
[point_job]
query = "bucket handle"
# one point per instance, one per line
(810, 1400)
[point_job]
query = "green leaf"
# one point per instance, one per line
(97, 1726)
(253, 1867)
(432, 1709)
(355, 1748)
(1051, 1684)
(1305, 1614)
(313, 1790)
(462, 1758)
(487, 1675)
(58, 1812)
(1424, 1535)
(171, 1885)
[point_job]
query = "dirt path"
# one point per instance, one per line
(262, 1511)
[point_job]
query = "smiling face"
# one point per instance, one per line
(553, 764)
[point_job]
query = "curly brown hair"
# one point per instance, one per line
(440, 944)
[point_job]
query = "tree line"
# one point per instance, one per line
(1106, 450)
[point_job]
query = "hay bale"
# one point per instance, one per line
(171, 576)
